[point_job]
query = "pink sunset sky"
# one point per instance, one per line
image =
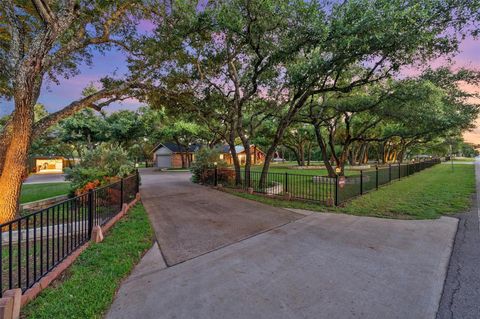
(469, 57)
(55, 96)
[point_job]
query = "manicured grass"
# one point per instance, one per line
(289, 168)
(89, 285)
(425, 195)
(428, 194)
(34, 192)
(463, 159)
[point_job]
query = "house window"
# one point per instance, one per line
(221, 156)
(242, 159)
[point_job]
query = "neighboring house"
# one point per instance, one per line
(170, 155)
(49, 164)
(257, 155)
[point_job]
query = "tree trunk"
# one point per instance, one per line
(385, 153)
(182, 156)
(352, 156)
(401, 155)
(15, 159)
(323, 150)
(309, 153)
(366, 154)
(248, 162)
(236, 164)
(362, 154)
(394, 155)
(339, 160)
(5, 140)
(295, 153)
(301, 154)
(280, 132)
(271, 151)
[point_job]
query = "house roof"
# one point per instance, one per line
(177, 149)
(47, 157)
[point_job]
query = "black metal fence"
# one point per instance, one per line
(351, 186)
(34, 244)
(323, 189)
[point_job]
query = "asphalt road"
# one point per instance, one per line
(461, 295)
(45, 178)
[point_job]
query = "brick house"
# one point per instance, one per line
(170, 155)
(257, 155)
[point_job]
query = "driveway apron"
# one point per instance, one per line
(191, 220)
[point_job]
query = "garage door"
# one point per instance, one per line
(164, 161)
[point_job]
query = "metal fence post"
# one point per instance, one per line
(137, 188)
(399, 170)
(286, 183)
(361, 182)
(90, 212)
(376, 176)
(336, 190)
(215, 177)
(389, 172)
(121, 193)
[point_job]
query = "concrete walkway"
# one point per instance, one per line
(306, 266)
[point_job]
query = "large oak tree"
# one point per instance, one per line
(286, 52)
(42, 40)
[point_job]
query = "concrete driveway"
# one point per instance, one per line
(306, 266)
(191, 220)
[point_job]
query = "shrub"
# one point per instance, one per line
(205, 159)
(226, 176)
(105, 164)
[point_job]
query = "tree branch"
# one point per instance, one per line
(88, 101)
(80, 40)
(14, 29)
(47, 15)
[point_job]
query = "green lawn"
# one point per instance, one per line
(89, 285)
(429, 194)
(34, 192)
(463, 159)
(289, 168)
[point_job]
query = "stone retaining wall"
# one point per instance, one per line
(43, 203)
